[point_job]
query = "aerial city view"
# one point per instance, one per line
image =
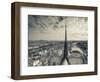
(57, 40)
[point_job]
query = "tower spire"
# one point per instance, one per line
(65, 47)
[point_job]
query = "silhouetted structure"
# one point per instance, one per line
(65, 48)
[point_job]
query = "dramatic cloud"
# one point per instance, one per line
(53, 27)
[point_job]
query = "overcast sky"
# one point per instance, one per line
(53, 27)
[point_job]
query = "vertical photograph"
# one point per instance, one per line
(57, 40)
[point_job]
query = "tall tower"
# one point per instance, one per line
(65, 48)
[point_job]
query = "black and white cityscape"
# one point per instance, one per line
(57, 40)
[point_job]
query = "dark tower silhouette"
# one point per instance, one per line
(65, 48)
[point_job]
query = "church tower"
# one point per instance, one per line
(65, 57)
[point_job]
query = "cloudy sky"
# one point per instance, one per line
(53, 27)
